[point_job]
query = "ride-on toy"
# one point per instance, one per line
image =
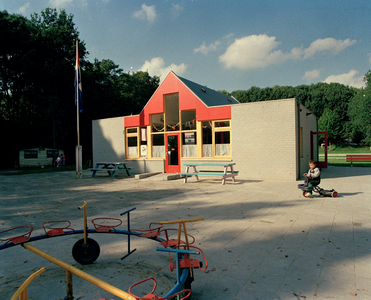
(317, 189)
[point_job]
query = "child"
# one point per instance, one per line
(313, 177)
(59, 161)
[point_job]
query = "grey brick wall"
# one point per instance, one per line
(108, 139)
(264, 139)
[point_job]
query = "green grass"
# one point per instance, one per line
(341, 150)
(341, 162)
(346, 148)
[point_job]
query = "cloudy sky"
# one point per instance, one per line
(225, 45)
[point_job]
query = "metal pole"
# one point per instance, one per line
(78, 155)
(69, 285)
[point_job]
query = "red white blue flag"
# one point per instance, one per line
(78, 85)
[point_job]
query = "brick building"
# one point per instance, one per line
(186, 122)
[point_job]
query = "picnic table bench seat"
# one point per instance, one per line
(222, 173)
(110, 168)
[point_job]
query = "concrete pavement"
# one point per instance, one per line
(262, 239)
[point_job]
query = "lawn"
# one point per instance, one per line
(340, 161)
(346, 149)
(337, 154)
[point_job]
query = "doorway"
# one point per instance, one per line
(319, 140)
(172, 147)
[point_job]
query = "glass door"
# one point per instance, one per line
(172, 153)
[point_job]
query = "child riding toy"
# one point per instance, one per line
(312, 180)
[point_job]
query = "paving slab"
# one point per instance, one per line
(262, 238)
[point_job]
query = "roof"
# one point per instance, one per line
(208, 96)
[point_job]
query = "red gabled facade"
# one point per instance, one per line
(187, 101)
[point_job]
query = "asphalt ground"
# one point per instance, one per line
(262, 239)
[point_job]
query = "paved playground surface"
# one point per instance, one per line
(262, 238)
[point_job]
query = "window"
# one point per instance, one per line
(158, 145)
(216, 138)
(30, 154)
(132, 144)
(143, 142)
(189, 120)
(222, 143)
(157, 122)
(222, 138)
(172, 112)
(198, 139)
(49, 153)
(301, 142)
(189, 142)
(207, 139)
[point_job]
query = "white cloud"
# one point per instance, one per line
(310, 75)
(347, 79)
(327, 45)
(176, 9)
(228, 36)
(24, 8)
(206, 49)
(254, 51)
(60, 3)
(146, 13)
(157, 67)
(259, 51)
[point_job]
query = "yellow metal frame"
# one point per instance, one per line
(22, 292)
(72, 270)
(182, 223)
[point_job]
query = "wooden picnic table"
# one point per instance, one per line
(110, 167)
(227, 171)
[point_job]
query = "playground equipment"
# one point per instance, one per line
(317, 189)
(87, 250)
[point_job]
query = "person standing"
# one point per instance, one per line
(63, 157)
(58, 161)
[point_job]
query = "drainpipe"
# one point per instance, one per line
(298, 141)
(317, 158)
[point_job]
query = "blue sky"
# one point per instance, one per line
(225, 45)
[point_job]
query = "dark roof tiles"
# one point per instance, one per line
(208, 96)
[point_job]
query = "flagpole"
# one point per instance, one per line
(78, 148)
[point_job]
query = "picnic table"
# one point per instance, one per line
(110, 167)
(227, 171)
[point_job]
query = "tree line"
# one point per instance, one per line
(343, 111)
(37, 65)
(37, 62)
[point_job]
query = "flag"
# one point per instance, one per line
(78, 86)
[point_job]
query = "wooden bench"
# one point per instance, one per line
(358, 158)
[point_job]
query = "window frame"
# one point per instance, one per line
(129, 135)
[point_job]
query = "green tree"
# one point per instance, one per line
(329, 121)
(367, 79)
(359, 112)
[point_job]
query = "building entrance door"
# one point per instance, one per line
(316, 139)
(172, 147)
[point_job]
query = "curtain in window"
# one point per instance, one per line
(207, 150)
(158, 151)
(189, 150)
(133, 151)
(222, 150)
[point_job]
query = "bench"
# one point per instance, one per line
(222, 173)
(110, 168)
(358, 158)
